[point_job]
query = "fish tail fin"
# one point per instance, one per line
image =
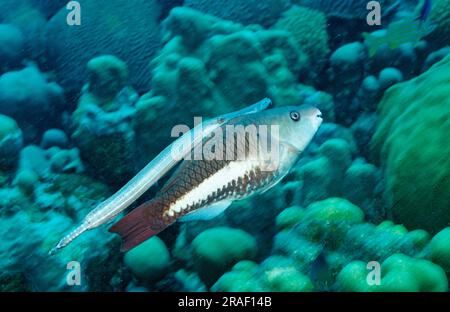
(140, 224)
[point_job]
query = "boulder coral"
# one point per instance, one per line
(26, 180)
(210, 66)
(103, 121)
(216, 250)
(276, 273)
(411, 143)
(335, 231)
(399, 273)
(320, 176)
(309, 29)
(31, 16)
(209, 63)
(362, 185)
(114, 27)
(345, 73)
(11, 47)
(12, 8)
(263, 12)
(439, 249)
(107, 76)
(29, 90)
(149, 261)
(54, 137)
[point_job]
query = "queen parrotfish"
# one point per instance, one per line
(202, 188)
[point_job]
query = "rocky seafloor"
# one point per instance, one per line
(83, 108)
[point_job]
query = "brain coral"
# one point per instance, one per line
(309, 29)
(264, 12)
(126, 29)
(411, 142)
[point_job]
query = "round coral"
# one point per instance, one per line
(217, 249)
(440, 249)
(411, 143)
(126, 29)
(399, 273)
(107, 76)
(148, 261)
(309, 29)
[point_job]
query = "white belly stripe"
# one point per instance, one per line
(221, 178)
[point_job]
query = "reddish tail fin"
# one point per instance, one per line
(139, 225)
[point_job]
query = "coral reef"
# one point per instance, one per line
(435, 57)
(108, 75)
(263, 12)
(439, 249)
(39, 270)
(400, 273)
(440, 15)
(28, 96)
(54, 137)
(308, 28)
(347, 68)
(412, 133)
(12, 8)
(201, 70)
(148, 261)
(113, 27)
(215, 250)
(84, 107)
(11, 141)
(11, 47)
(349, 9)
(103, 120)
(276, 273)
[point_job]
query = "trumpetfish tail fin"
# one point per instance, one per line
(140, 224)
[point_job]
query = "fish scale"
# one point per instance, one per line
(193, 172)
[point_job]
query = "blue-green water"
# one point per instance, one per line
(91, 90)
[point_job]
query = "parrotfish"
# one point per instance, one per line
(203, 187)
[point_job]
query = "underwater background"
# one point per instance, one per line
(84, 107)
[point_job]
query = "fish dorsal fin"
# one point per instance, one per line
(207, 213)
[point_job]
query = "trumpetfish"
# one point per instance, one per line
(203, 188)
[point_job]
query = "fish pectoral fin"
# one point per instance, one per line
(207, 213)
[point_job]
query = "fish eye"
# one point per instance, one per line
(295, 116)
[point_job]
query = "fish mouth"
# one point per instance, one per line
(318, 120)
